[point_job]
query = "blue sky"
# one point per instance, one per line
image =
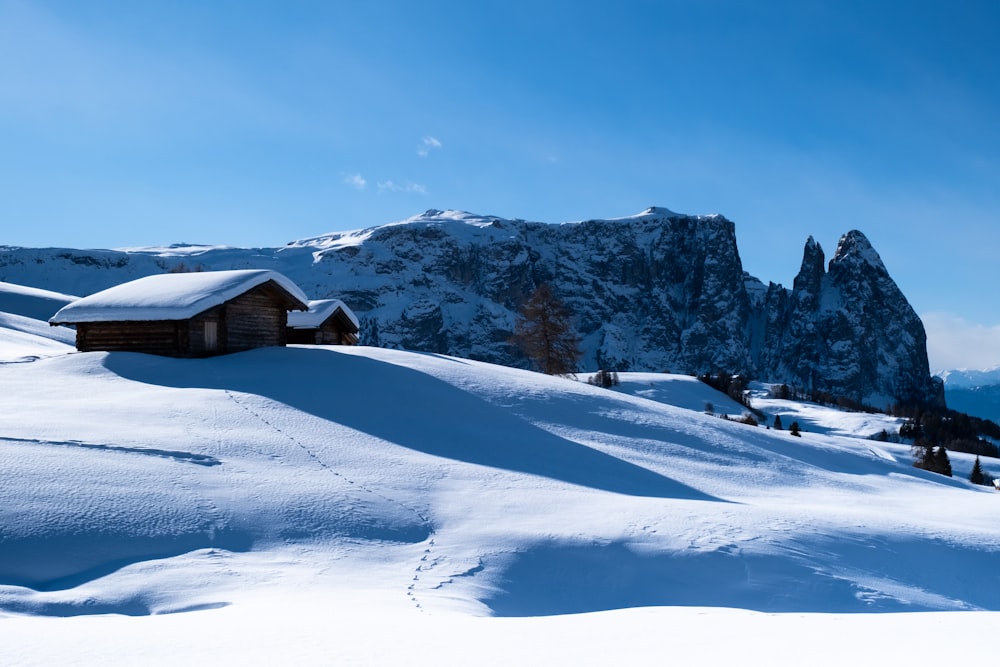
(257, 123)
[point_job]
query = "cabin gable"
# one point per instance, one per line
(331, 332)
(339, 328)
(256, 318)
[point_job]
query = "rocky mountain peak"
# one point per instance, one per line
(810, 276)
(659, 211)
(854, 248)
(657, 291)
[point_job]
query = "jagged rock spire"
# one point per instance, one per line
(810, 276)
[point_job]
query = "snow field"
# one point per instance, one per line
(370, 506)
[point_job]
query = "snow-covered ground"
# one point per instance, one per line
(325, 505)
(37, 304)
(25, 334)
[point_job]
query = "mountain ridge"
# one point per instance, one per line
(653, 291)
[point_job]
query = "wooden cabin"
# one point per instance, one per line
(186, 314)
(327, 322)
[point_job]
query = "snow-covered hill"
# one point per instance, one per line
(24, 333)
(372, 506)
(38, 304)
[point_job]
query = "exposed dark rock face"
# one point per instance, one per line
(851, 332)
(658, 291)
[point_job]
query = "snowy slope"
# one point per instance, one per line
(370, 506)
(24, 333)
(26, 339)
(38, 304)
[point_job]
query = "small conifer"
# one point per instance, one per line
(977, 476)
(942, 464)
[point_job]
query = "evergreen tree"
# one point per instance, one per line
(794, 430)
(977, 476)
(930, 458)
(777, 423)
(941, 463)
(545, 333)
(923, 455)
(603, 378)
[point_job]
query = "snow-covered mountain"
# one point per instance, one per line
(656, 291)
(975, 392)
(343, 505)
(970, 379)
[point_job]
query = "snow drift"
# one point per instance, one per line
(413, 492)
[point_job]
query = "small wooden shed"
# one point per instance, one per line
(327, 322)
(186, 314)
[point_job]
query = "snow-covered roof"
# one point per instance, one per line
(170, 296)
(320, 311)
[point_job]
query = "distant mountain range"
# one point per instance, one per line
(970, 379)
(657, 291)
(976, 392)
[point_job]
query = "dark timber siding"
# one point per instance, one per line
(332, 332)
(256, 318)
(194, 333)
(163, 337)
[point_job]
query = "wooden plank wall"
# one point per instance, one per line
(255, 319)
(303, 336)
(330, 332)
(196, 333)
(333, 333)
(164, 337)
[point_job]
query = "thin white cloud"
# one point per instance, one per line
(427, 144)
(356, 181)
(955, 343)
(411, 188)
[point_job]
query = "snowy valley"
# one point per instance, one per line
(358, 505)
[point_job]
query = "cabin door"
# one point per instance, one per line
(211, 336)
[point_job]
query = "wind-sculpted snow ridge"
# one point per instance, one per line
(26, 339)
(37, 304)
(24, 334)
(656, 291)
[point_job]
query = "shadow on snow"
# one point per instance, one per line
(405, 407)
(860, 574)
